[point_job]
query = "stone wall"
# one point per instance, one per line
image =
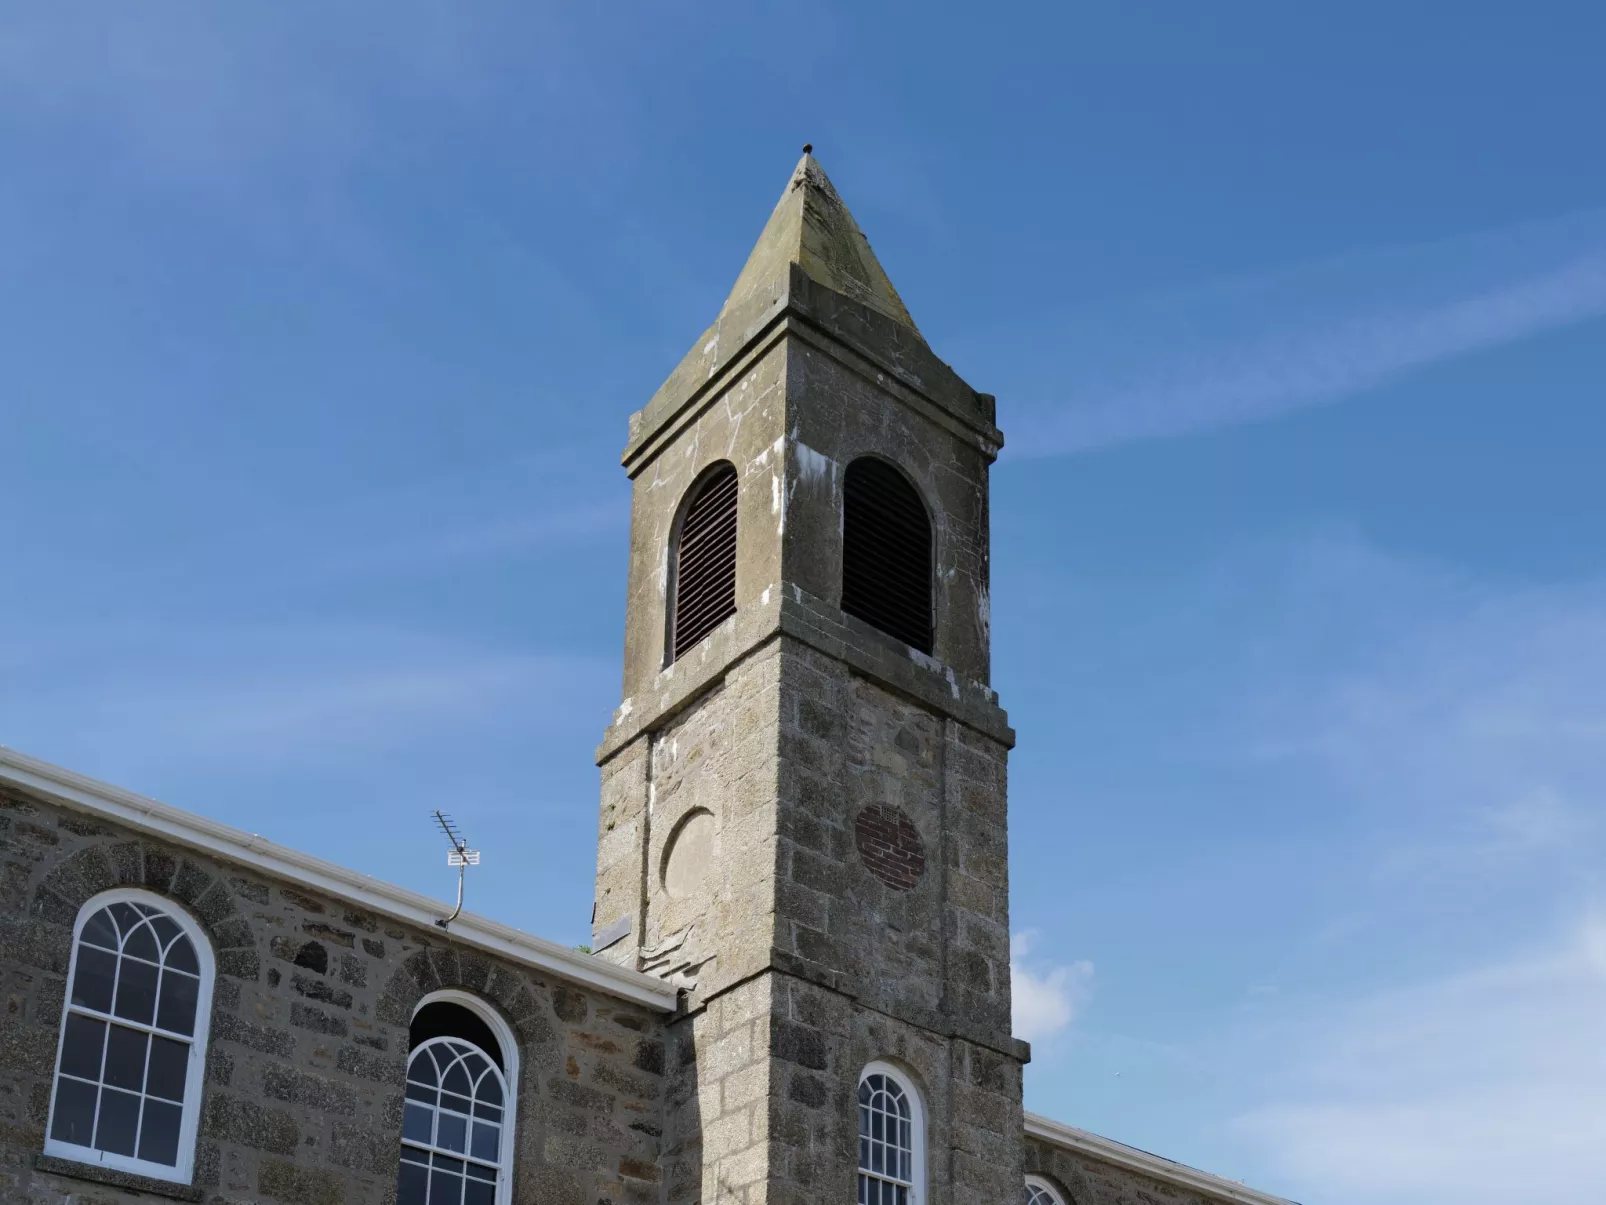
(304, 1070)
(1084, 1180)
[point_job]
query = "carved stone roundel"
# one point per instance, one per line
(890, 846)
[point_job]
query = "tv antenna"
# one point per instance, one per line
(460, 856)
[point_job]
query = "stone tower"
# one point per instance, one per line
(803, 818)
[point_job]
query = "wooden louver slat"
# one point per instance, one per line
(886, 552)
(705, 561)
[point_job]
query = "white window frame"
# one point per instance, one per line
(510, 1075)
(917, 1124)
(195, 1070)
(1054, 1195)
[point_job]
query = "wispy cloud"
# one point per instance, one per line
(1250, 350)
(274, 696)
(1046, 999)
(1486, 1086)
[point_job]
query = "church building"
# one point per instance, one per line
(798, 990)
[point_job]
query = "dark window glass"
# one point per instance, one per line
(177, 1012)
(704, 566)
(141, 943)
(181, 957)
(886, 552)
(82, 1046)
(166, 931)
(99, 931)
(158, 1134)
(74, 1119)
(125, 1058)
(136, 991)
(168, 1066)
(412, 1186)
(92, 981)
(118, 1120)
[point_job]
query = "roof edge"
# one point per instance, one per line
(1107, 1150)
(231, 844)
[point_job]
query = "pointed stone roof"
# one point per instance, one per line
(812, 228)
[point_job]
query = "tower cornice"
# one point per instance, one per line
(884, 351)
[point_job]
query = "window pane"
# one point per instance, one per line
(445, 1187)
(177, 1013)
(412, 1185)
(457, 1081)
(169, 1062)
(452, 1132)
(119, 1117)
(460, 1103)
(82, 1045)
(125, 916)
(165, 929)
(92, 981)
(487, 1112)
(478, 1192)
(422, 1071)
(416, 1123)
(181, 957)
(419, 1092)
(136, 991)
(74, 1119)
(125, 1058)
(141, 943)
(99, 931)
(486, 1140)
(158, 1136)
(490, 1091)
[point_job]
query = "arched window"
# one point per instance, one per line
(1040, 1192)
(457, 1127)
(129, 1063)
(892, 1138)
(703, 565)
(886, 552)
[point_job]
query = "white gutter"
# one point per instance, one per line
(231, 844)
(1132, 1159)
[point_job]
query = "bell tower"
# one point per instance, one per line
(803, 818)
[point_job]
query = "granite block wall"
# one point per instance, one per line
(306, 1061)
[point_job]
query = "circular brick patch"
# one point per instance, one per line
(890, 846)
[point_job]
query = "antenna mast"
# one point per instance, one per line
(460, 856)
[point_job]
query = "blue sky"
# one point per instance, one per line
(320, 328)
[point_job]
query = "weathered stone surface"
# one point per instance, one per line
(301, 1095)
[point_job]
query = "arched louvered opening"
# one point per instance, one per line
(886, 552)
(704, 568)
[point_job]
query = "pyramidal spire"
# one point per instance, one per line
(812, 228)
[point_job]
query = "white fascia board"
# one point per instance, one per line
(231, 844)
(1129, 1157)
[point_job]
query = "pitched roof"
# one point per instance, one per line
(147, 816)
(812, 228)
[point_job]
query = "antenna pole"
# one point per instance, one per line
(461, 856)
(462, 867)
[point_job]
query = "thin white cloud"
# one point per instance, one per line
(1307, 337)
(1479, 1088)
(1046, 999)
(277, 696)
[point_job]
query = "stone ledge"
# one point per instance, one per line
(897, 358)
(54, 1165)
(811, 621)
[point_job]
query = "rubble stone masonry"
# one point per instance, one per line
(307, 1053)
